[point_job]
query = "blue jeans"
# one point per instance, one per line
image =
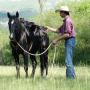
(69, 47)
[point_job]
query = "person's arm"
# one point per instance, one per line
(67, 32)
(61, 37)
(52, 29)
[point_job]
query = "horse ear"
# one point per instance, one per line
(8, 14)
(17, 14)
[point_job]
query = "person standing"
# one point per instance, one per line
(66, 32)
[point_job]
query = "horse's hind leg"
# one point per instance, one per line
(26, 64)
(42, 64)
(34, 64)
(46, 62)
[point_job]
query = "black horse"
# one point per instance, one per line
(39, 41)
(18, 34)
(32, 38)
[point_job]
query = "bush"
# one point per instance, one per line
(81, 17)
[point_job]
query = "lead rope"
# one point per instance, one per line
(42, 52)
(34, 54)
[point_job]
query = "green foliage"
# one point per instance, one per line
(81, 17)
(80, 13)
(5, 50)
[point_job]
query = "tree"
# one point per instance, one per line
(41, 4)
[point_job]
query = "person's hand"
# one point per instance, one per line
(54, 42)
(51, 29)
(47, 27)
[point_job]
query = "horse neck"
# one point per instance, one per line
(22, 36)
(23, 33)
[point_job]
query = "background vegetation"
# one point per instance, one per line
(80, 13)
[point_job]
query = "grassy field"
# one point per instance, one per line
(55, 81)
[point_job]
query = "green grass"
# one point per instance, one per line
(56, 79)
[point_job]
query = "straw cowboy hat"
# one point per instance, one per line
(63, 8)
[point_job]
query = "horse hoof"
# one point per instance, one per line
(17, 77)
(26, 76)
(32, 76)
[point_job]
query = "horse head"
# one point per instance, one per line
(16, 27)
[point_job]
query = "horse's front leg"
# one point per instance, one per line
(26, 63)
(16, 57)
(18, 70)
